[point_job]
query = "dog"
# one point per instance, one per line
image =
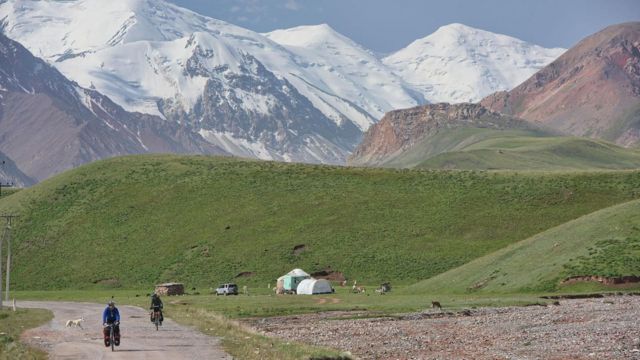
(76, 322)
(436, 305)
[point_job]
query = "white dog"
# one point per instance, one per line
(77, 322)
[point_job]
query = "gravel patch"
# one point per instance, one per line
(601, 328)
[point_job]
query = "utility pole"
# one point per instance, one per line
(1, 241)
(6, 234)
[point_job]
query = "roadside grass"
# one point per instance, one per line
(135, 221)
(244, 343)
(12, 324)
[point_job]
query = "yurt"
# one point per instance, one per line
(314, 286)
(289, 282)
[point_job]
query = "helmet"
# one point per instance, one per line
(154, 295)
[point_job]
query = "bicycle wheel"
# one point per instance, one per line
(112, 339)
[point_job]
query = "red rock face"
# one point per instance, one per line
(592, 90)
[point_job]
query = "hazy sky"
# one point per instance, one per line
(388, 25)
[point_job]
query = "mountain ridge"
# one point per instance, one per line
(50, 124)
(592, 90)
(157, 58)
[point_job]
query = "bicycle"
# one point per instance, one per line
(112, 335)
(156, 317)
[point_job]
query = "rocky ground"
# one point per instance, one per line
(596, 328)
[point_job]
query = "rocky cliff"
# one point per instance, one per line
(399, 130)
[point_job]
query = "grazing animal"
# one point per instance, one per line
(358, 289)
(436, 304)
(76, 322)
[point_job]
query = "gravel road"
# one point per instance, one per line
(599, 328)
(139, 338)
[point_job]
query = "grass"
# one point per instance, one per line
(537, 153)
(264, 304)
(451, 140)
(12, 324)
(135, 221)
(604, 243)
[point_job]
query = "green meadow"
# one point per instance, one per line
(135, 221)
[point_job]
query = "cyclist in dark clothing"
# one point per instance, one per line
(111, 315)
(156, 304)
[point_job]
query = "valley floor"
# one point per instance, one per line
(597, 328)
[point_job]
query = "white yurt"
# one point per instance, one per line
(314, 286)
(290, 281)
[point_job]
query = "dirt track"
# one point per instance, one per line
(139, 339)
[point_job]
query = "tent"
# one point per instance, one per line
(289, 282)
(314, 286)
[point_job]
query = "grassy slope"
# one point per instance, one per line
(135, 221)
(605, 243)
(483, 149)
(450, 140)
(537, 153)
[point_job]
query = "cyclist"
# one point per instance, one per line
(156, 305)
(111, 315)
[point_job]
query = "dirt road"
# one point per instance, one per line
(139, 339)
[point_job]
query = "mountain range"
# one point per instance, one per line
(592, 91)
(50, 124)
(305, 94)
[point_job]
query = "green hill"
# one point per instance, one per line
(604, 243)
(135, 221)
(537, 153)
(489, 149)
(450, 140)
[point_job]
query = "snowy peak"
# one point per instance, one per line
(308, 36)
(363, 88)
(458, 63)
(82, 26)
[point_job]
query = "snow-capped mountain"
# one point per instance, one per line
(348, 69)
(303, 94)
(154, 57)
(458, 63)
(49, 124)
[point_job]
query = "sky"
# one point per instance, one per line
(385, 26)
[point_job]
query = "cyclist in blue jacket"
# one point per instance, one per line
(111, 315)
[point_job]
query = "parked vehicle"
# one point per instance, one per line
(227, 289)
